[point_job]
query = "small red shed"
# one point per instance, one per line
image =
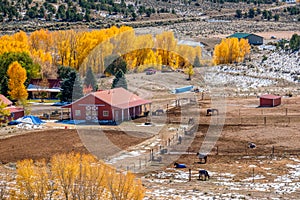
(116, 104)
(269, 100)
(15, 112)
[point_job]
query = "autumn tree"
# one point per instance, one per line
(75, 176)
(32, 69)
(17, 78)
(165, 44)
(189, 71)
(3, 111)
(231, 50)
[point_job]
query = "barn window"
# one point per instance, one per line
(105, 113)
(77, 113)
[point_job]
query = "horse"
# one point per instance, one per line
(202, 157)
(203, 173)
(212, 111)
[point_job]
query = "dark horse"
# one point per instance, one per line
(212, 111)
(203, 173)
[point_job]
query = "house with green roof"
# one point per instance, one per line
(252, 38)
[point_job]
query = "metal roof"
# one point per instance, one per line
(241, 35)
(117, 97)
(269, 96)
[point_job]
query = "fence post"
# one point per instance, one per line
(190, 174)
(217, 150)
(265, 120)
(253, 174)
(140, 163)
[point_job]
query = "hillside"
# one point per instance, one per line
(28, 15)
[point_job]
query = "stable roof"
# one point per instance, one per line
(270, 96)
(241, 35)
(117, 97)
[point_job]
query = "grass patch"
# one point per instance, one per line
(45, 100)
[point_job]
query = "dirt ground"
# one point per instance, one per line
(46, 143)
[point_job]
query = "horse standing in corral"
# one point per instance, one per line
(201, 157)
(203, 174)
(212, 111)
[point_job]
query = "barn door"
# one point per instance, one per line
(91, 112)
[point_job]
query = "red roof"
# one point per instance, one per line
(13, 109)
(117, 97)
(52, 83)
(5, 100)
(270, 96)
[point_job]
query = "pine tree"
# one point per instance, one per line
(119, 81)
(67, 87)
(197, 62)
(77, 88)
(90, 79)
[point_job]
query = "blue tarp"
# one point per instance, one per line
(183, 89)
(31, 120)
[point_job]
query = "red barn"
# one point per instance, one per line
(114, 105)
(269, 100)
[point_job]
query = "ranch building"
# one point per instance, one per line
(269, 100)
(115, 105)
(252, 38)
(15, 112)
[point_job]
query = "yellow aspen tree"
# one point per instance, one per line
(198, 52)
(41, 40)
(244, 48)
(234, 49)
(221, 53)
(150, 59)
(65, 172)
(189, 71)
(15, 43)
(41, 179)
(85, 44)
(166, 43)
(231, 50)
(17, 77)
(25, 179)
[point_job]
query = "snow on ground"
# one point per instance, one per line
(260, 73)
(166, 184)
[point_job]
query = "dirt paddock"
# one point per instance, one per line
(46, 143)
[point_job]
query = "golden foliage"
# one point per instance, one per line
(17, 77)
(15, 43)
(83, 49)
(75, 176)
(231, 50)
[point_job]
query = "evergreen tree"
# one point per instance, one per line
(295, 42)
(197, 62)
(67, 88)
(119, 81)
(77, 88)
(116, 66)
(32, 69)
(90, 79)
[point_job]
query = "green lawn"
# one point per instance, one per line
(45, 100)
